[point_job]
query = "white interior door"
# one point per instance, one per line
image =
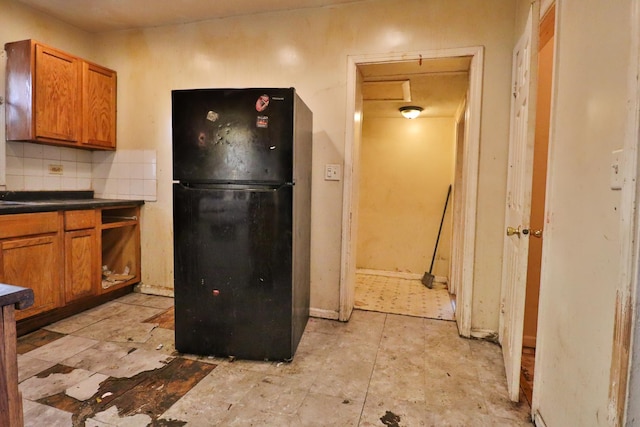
(518, 209)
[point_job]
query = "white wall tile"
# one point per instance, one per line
(136, 171)
(15, 165)
(102, 156)
(83, 183)
(33, 167)
(99, 185)
(150, 156)
(69, 169)
(15, 149)
(101, 170)
(51, 152)
(126, 174)
(137, 187)
(150, 187)
(33, 183)
(123, 186)
(68, 183)
(132, 156)
(69, 154)
(121, 170)
(83, 170)
(149, 171)
(34, 151)
(84, 156)
(52, 183)
(15, 182)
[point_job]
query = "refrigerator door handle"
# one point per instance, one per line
(254, 188)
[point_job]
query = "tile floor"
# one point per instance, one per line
(115, 365)
(402, 296)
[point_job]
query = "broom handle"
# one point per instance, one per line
(444, 211)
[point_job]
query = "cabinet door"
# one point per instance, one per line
(32, 262)
(99, 106)
(81, 266)
(57, 95)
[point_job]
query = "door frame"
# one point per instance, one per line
(464, 257)
(624, 381)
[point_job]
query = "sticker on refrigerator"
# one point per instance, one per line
(212, 116)
(262, 122)
(262, 103)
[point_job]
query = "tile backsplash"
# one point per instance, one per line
(121, 174)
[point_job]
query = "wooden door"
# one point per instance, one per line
(99, 106)
(518, 207)
(57, 95)
(81, 266)
(32, 262)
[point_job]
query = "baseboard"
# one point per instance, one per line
(485, 334)
(537, 420)
(400, 275)
(324, 314)
(154, 290)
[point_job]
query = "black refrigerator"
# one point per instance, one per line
(241, 221)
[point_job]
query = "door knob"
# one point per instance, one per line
(511, 231)
(536, 233)
(517, 231)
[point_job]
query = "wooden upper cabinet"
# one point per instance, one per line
(57, 83)
(99, 106)
(57, 98)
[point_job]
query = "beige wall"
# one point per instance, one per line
(406, 167)
(306, 49)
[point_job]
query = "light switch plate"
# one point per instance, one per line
(616, 170)
(332, 173)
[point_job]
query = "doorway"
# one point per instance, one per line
(406, 169)
(463, 241)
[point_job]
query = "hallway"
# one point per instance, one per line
(115, 365)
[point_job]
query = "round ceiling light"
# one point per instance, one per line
(410, 111)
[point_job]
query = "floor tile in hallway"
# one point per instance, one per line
(115, 365)
(397, 295)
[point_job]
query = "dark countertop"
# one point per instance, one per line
(12, 202)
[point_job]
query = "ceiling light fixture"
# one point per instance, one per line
(410, 111)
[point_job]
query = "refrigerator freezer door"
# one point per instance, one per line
(231, 135)
(233, 264)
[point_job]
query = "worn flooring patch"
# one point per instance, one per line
(36, 339)
(150, 393)
(165, 320)
(390, 419)
(402, 296)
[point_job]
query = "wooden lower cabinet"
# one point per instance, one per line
(34, 262)
(59, 255)
(81, 264)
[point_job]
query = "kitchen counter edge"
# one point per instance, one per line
(64, 205)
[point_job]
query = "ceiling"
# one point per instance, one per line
(437, 85)
(108, 15)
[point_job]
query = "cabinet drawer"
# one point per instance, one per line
(29, 224)
(78, 220)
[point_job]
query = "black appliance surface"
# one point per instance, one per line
(242, 202)
(232, 135)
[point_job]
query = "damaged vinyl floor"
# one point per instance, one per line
(375, 292)
(115, 365)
